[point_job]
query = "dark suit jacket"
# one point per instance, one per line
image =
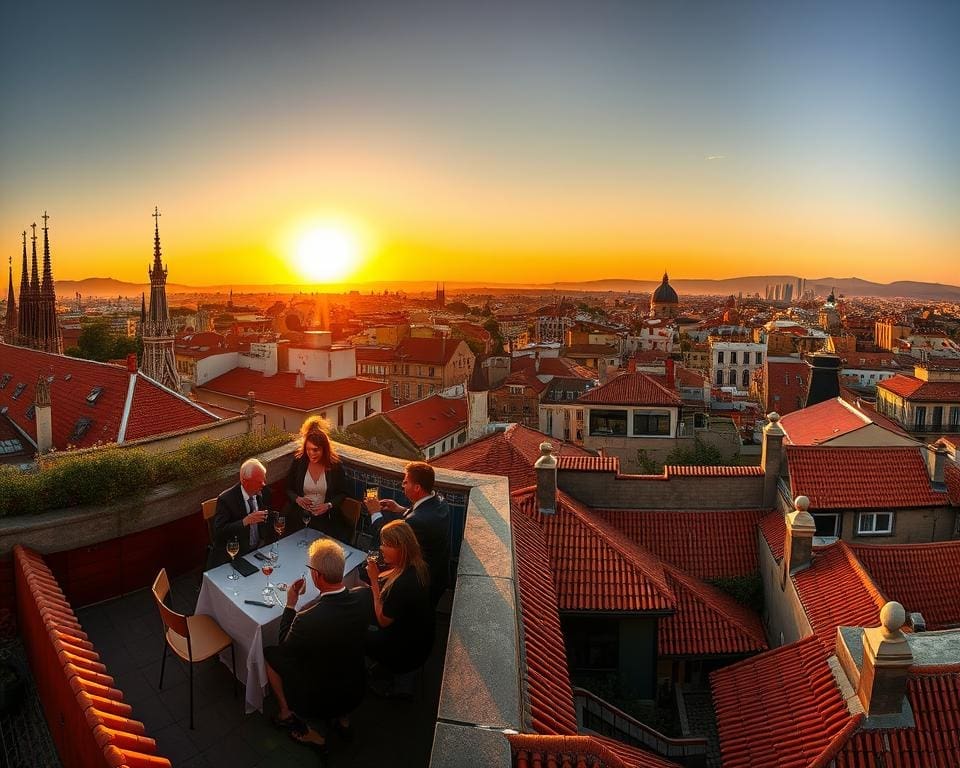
(323, 644)
(228, 522)
(332, 523)
(431, 523)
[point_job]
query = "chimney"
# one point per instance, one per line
(887, 658)
(771, 457)
(301, 381)
(546, 467)
(671, 374)
(43, 416)
(824, 378)
(132, 363)
(798, 547)
(936, 462)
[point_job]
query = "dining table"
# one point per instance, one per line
(252, 627)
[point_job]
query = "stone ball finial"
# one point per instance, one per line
(546, 449)
(801, 503)
(773, 417)
(892, 617)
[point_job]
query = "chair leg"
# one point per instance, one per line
(233, 660)
(190, 664)
(163, 662)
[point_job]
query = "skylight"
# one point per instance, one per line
(80, 429)
(5, 379)
(94, 395)
(31, 411)
(10, 446)
(19, 390)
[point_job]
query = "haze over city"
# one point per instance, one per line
(310, 143)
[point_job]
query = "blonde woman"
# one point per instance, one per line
(402, 639)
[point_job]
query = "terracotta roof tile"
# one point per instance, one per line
(821, 422)
(915, 389)
(431, 419)
(781, 708)
(861, 478)
(707, 544)
(588, 463)
(632, 389)
(437, 351)
(696, 471)
(511, 452)
(535, 751)
(773, 528)
(921, 577)
(156, 410)
(951, 475)
(786, 385)
(553, 366)
(281, 389)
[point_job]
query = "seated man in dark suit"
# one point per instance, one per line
(429, 516)
(242, 512)
(318, 668)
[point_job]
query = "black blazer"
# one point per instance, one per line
(431, 523)
(228, 522)
(325, 642)
(333, 522)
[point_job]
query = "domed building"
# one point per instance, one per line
(664, 303)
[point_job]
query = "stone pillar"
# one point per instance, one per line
(798, 547)
(887, 658)
(771, 458)
(936, 455)
(546, 467)
(43, 416)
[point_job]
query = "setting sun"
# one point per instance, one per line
(327, 253)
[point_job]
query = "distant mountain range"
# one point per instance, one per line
(847, 286)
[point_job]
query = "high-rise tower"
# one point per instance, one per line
(48, 331)
(159, 362)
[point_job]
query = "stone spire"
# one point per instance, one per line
(10, 324)
(30, 307)
(24, 295)
(159, 361)
(48, 331)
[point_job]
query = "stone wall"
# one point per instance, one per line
(608, 490)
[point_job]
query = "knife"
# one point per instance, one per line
(257, 602)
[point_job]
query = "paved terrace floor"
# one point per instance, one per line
(127, 634)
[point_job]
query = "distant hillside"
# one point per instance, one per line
(848, 286)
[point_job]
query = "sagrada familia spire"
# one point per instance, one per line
(159, 362)
(36, 319)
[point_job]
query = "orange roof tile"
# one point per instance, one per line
(431, 419)
(773, 528)
(912, 388)
(921, 577)
(511, 452)
(632, 389)
(781, 708)
(717, 471)
(552, 366)
(281, 389)
(437, 351)
(589, 463)
(536, 751)
(786, 385)
(707, 544)
(155, 410)
(861, 478)
(951, 475)
(821, 422)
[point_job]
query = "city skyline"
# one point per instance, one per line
(529, 145)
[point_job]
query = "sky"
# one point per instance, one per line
(495, 141)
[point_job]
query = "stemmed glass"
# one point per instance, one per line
(305, 516)
(233, 549)
(267, 569)
(279, 524)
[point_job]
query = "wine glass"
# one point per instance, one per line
(233, 549)
(305, 516)
(267, 569)
(274, 554)
(279, 524)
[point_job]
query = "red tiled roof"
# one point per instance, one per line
(589, 463)
(786, 385)
(552, 366)
(836, 591)
(431, 419)
(590, 350)
(511, 452)
(525, 377)
(437, 351)
(690, 378)
(632, 389)
(546, 674)
(281, 389)
(912, 388)
(773, 527)
(861, 478)
(951, 475)
(536, 751)
(921, 577)
(707, 544)
(376, 354)
(781, 708)
(718, 471)
(155, 410)
(867, 409)
(869, 361)
(821, 422)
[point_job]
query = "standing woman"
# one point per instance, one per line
(403, 637)
(316, 482)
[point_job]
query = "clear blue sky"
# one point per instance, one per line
(483, 139)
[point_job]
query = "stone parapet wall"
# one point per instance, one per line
(606, 490)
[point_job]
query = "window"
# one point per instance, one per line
(592, 643)
(874, 523)
(954, 417)
(79, 429)
(759, 358)
(5, 380)
(18, 390)
(651, 423)
(432, 371)
(733, 378)
(406, 390)
(462, 437)
(356, 409)
(608, 422)
(31, 411)
(719, 378)
(720, 357)
(396, 392)
(733, 357)
(746, 378)
(570, 395)
(937, 416)
(419, 391)
(920, 417)
(94, 395)
(367, 406)
(432, 452)
(828, 525)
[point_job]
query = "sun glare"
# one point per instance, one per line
(327, 253)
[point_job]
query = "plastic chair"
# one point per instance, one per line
(192, 638)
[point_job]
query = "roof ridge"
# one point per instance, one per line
(865, 577)
(855, 411)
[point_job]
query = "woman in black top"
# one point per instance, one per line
(316, 482)
(403, 638)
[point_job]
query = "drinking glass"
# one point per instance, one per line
(372, 492)
(267, 569)
(279, 524)
(305, 516)
(274, 554)
(233, 549)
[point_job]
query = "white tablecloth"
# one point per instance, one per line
(251, 626)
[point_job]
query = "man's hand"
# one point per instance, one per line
(255, 517)
(389, 505)
(372, 505)
(293, 592)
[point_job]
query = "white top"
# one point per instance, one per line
(316, 490)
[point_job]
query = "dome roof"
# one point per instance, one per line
(665, 293)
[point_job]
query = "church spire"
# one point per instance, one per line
(47, 285)
(158, 362)
(22, 320)
(47, 330)
(156, 238)
(34, 273)
(143, 310)
(10, 325)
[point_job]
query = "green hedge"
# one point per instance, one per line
(106, 475)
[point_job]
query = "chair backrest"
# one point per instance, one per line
(171, 619)
(209, 510)
(351, 513)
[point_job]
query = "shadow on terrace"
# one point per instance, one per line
(471, 680)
